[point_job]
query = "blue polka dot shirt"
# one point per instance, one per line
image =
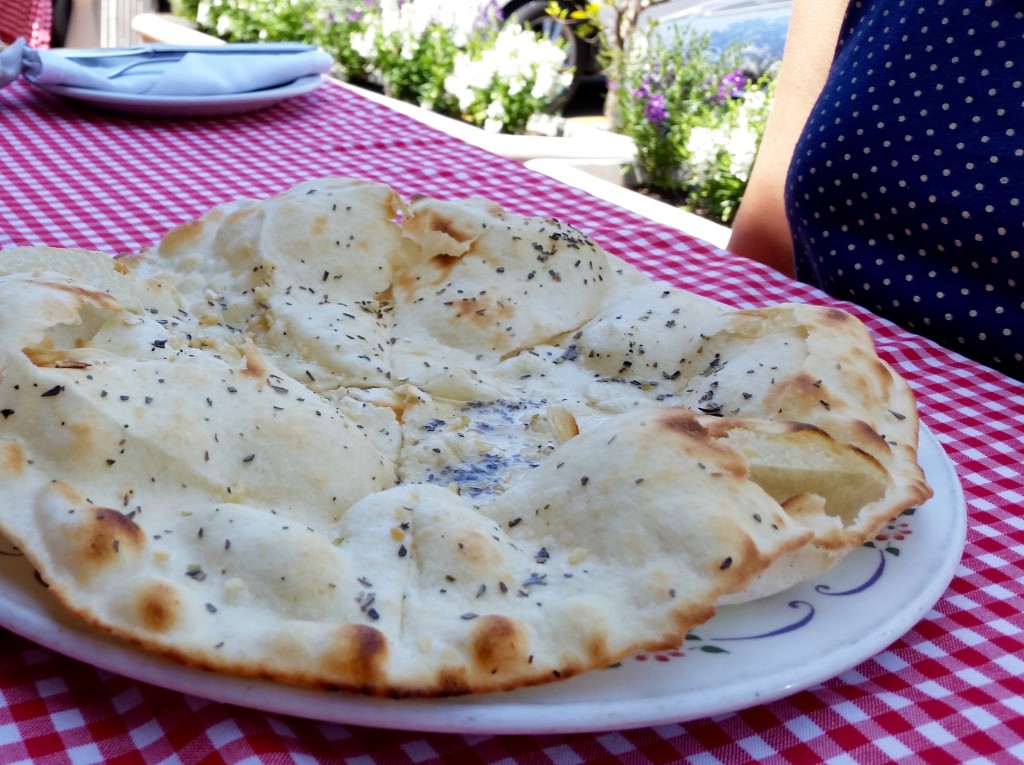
(906, 189)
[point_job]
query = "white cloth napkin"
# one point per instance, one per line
(166, 70)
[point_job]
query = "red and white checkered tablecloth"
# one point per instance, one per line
(949, 691)
(31, 19)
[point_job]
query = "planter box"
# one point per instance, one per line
(579, 139)
(165, 28)
(606, 179)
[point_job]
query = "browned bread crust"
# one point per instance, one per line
(423, 448)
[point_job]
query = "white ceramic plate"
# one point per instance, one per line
(187, 106)
(746, 655)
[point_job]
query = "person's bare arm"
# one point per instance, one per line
(760, 230)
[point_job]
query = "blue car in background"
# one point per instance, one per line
(760, 26)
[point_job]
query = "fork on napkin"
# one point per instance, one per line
(165, 70)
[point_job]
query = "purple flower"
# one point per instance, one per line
(354, 16)
(489, 16)
(648, 86)
(731, 85)
(655, 111)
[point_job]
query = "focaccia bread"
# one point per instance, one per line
(424, 447)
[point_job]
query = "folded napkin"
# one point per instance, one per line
(165, 70)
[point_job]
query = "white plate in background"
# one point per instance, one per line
(187, 106)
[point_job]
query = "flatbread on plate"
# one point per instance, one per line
(423, 447)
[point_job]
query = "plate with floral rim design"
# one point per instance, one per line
(811, 632)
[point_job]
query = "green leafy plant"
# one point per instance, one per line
(695, 119)
(257, 20)
(408, 52)
(335, 27)
(514, 74)
(493, 75)
(613, 26)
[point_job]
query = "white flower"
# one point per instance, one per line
(742, 146)
(409, 48)
(365, 43)
(203, 14)
(516, 85)
(469, 79)
(390, 15)
(512, 73)
(224, 26)
(494, 119)
(495, 110)
(459, 88)
(459, 18)
(702, 149)
(549, 81)
(754, 101)
(459, 37)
